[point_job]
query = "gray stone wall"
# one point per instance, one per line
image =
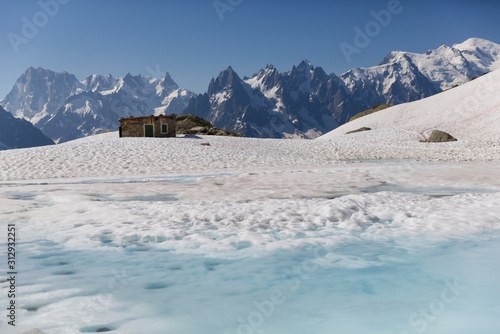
(134, 127)
(133, 130)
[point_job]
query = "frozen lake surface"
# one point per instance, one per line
(360, 286)
(364, 247)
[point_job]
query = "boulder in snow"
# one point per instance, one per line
(438, 136)
(358, 130)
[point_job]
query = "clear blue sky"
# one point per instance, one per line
(190, 41)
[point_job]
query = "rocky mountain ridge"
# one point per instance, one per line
(304, 102)
(65, 108)
(19, 133)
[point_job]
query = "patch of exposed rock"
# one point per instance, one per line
(378, 107)
(193, 125)
(359, 130)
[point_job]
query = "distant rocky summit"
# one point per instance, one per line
(193, 125)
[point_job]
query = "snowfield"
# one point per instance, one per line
(107, 155)
(372, 232)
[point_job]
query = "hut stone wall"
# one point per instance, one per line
(148, 126)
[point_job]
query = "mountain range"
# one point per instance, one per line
(470, 112)
(304, 102)
(65, 109)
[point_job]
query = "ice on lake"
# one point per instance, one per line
(354, 249)
(360, 286)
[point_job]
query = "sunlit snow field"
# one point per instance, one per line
(389, 246)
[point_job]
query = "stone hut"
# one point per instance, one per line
(148, 126)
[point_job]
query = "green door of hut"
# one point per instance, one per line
(149, 130)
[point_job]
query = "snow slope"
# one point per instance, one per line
(470, 111)
(107, 155)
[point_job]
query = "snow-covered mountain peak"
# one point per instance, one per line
(437, 69)
(168, 81)
(134, 80)
(318, 72)
(38, 90)
(301, 76)
(99, 83)
(40, 71)
(305, 64)
(305, 67)
(229, 73)
(475, 43)
(264, 80)
(166, 86)
(227, 79)
(440, 49)
(483, 53)
(395, 57)
(269, 70)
